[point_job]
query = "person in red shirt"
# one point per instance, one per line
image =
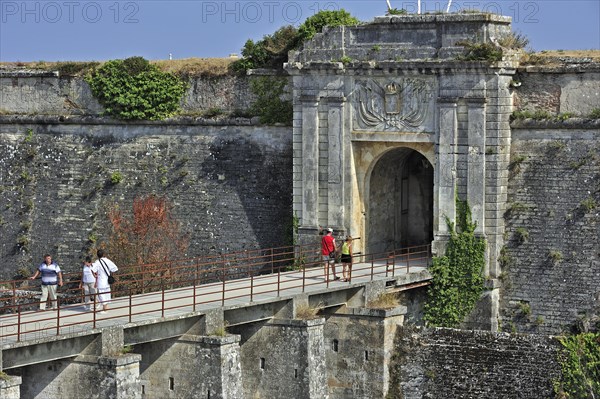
(328, 249)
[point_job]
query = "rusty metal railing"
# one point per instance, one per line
(154, 290)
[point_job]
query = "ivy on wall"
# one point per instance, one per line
(458, 275)
(270, 105)
(580, 364)
(135, 89)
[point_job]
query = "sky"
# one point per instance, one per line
(97, 30)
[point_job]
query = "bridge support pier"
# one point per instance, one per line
(11, 387)
(283, 358)
(359, 344)
(192, 366)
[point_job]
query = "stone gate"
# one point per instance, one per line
(391, 125)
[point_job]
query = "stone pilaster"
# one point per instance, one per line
(336, 162)
(476, 162)
(310, 161)
(445, 173)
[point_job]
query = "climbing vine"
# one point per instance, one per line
(458, 275)
(135, 89)
(270, 105)
(580, 364)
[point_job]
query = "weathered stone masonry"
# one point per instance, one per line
(534, 188)
(445, 363)
(228, 184)
(551, 281)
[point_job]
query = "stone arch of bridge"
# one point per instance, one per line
(397, 196)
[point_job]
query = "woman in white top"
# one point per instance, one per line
(87, 283)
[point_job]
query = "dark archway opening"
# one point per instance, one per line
(400, 202)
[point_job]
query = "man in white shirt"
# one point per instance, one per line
(103, 268)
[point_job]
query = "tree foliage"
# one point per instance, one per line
(135, 89)
(272, 50)
(458, 275)
(317, 22)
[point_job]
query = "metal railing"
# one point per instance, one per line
(154, 290)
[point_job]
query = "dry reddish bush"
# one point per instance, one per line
(143, 240)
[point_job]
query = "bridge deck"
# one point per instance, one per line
(68, 319)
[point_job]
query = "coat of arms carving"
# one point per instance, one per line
(395, 105)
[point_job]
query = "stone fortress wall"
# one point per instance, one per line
(549, 263)
(229, 185)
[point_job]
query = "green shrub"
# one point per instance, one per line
(594, 114)
(513, 40)
(345, 60)
(75, 68)
(557, 145)
(135, 89)
(555, 256)
(522, 235)
(588, 204)
(525, 308)
(116, 177)
(527, 114)
(213, 112)
(395, 11)
(480, 51)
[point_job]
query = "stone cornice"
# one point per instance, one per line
(100, 120)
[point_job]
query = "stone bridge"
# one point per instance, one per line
(240, 338)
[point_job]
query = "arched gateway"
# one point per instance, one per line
(399, 201)
(390, 127)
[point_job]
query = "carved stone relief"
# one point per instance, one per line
(396, 105)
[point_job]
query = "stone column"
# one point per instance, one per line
(336, 162)
(476, 162)
(445, 179)
(310, 162)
